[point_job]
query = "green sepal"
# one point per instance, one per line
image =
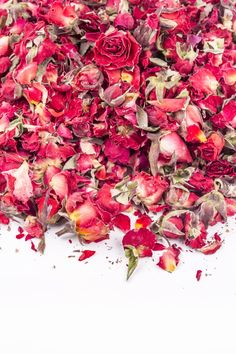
(132, 254)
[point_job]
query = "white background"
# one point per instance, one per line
(53, 304)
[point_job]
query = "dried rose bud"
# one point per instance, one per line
(88, 78)
(149, 189)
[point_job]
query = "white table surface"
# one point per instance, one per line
(52, 304)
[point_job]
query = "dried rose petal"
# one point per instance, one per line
(198, 274)
(116, 106)
(122, 221)
(170, 259)
(86, 254)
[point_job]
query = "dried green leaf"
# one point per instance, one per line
(142, 118)
(70, 164)
(133, 261)
(153, 156)
(158, 62)
(170, 227)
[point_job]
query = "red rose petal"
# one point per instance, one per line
(33, 247)
(86, 254)
(122, 221)
(198, 274)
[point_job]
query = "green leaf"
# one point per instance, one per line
(70, 164)
(142, 118)
(42, 69)
(158, 61)
(133, 262)
(153, 156)
(216, 46)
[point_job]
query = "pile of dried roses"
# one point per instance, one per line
(108, 106)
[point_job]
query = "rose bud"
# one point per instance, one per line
(33, 226)
(88, 223)
(212, 208)
(116, 153)
(149, 189)
(172, 227)
(48, 209)
(88, 78)
(200, 183)
(124, 21)
(180, 198)
(170, 259)
(138, 243)
(107, 203)
(195, 231)
(61, 15)
(93, 25)
(114, 95)
(211, 150)
(157, 117)
(216, 169)
(191, 116)
(146, 32)
(143, 240)
(172, 144)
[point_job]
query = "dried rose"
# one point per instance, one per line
(138, 243)
(149, 189)
(124, 21)
(173, 228)
(200, 183)
(88, 78)
(221, 168)
(62, 16)
(34, 227)
(88, 222)
(180, 198)
(116, 49)
(171, 145)
(211, 150)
